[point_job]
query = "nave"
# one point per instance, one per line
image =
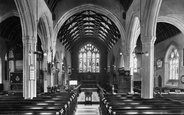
(47, 43)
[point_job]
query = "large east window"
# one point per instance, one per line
(173, 64)
(89, 59)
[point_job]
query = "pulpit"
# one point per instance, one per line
(124, 81)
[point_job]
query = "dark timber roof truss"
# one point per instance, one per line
(88, 24)
(165, 31)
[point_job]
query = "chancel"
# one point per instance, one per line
(91, 57)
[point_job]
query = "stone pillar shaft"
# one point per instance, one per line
(29, 59)
(147, 70)
(128, 67)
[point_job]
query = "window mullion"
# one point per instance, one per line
(89, 59)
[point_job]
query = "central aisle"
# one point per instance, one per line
(87, 109)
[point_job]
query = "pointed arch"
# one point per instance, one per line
(9, 14)
(44, 31)
(150, 16)
(172, 20)
(26, 18)
(134, 33)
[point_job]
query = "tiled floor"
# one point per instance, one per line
(88, 109)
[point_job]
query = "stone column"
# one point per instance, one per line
(147, 68)
(52, 78)
(29, 82)
(131, 83)
(127, 59)
(45, 74)
(34, 59)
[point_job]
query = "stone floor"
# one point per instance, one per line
(88, 109)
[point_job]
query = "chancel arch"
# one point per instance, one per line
(96, 9)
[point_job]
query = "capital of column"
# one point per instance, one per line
(26, 40)
(29, 40)
(34, 40)
(148, 39)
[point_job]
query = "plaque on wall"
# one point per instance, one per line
(32, 73)
(124, 72)
(16, 77)
(159, 63)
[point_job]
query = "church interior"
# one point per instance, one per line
(91, 57)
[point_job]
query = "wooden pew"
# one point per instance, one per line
(49, 104)
(150, 112)
(34, 108)
(123, 104)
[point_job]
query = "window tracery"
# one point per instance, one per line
(89, 59)
(173, 64)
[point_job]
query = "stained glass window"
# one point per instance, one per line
(173, 64)
(89, 59)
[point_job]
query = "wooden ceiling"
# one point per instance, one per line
(88, 24)
(165, 31)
